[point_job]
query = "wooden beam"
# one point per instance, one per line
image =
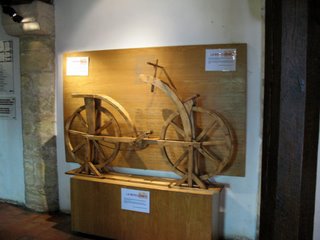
(291, 119)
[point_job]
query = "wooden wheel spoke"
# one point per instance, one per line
(79, 146)
(206, 130)
(82, 121)
(214, 143)
(113, 143)
(178, 129)
(104, 126)
(210, 156)
(76, 132)
(181, 158)
(100, 151)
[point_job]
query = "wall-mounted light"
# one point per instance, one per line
(30, 24)
(12, 13)
(37, 19)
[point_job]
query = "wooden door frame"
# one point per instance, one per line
(291, 119)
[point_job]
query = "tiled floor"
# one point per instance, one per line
(17, 223)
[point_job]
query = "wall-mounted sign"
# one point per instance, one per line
(77, 66)
(221, 59)
(7, 107)
(6, 67)
(135, 200)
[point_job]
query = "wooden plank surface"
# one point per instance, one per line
(174, 213)
(116, 73)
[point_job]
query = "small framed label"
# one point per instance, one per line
(77, 66)
(135, 200)
(223, 60)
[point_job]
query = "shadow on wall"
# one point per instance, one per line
(221, 217)
(49, 156)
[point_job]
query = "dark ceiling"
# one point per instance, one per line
(16, 2)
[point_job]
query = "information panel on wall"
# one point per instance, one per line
(6, 67)
(7, 107)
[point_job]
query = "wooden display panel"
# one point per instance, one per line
(174, 213)
(116, 73)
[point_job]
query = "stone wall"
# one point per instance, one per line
(38, 115)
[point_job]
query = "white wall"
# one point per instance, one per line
(11, 153)
(114, 24)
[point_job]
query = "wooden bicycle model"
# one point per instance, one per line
(93, 136)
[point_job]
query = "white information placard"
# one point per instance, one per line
(77, 66)
(135, 200)
(6, 67)
(221, 59)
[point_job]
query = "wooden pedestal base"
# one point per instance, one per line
(175, 213)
